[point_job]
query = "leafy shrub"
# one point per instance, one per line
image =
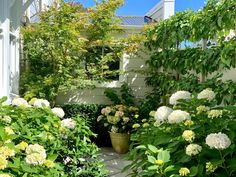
(195, 138)
(90, 113)
(66, 142)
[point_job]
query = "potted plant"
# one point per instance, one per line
(120, 120)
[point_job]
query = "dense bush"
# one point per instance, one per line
(34, 141)
(90, 113)
(196, 137)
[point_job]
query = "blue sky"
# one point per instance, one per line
(140, 7)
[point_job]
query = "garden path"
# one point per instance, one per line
(114, 162)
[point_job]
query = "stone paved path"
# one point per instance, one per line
(114, 162)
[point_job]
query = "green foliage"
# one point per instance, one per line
(90, 113)
(68, 49)
(206, 118)
(126, 97)
(69, 148)
(178, 59)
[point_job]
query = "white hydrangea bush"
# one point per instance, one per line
(198, 133)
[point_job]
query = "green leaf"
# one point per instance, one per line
(193, 171)
(152, 148)
(151, 159)
(164, 155)
(153, 167)
(169, 168)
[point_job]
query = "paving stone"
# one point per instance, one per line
(114, 162)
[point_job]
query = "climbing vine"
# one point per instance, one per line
(190, 46)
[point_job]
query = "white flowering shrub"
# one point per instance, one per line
(198, 137)
(35, 142)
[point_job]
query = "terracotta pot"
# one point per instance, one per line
(120, 142)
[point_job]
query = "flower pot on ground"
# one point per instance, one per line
(120, 121)
(120, 142)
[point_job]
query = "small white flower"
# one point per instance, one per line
(162, 113)
(39, 103)
(58, 112)
(68, 123)
(206, 94)
(193, 149)
(179, 95)
(178, 116)
(20, 102)
(218, 141)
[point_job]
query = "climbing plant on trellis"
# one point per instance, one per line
(190, 46)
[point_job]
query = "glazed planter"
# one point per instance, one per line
(120, 142)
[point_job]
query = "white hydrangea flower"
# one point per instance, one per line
(162, 113)
(193, 149)
(20, 102)
(58, 112)
(218, 141)
(178, 116)
(68, 123)
(207, 94)
(36, 148)
(188, 135)
(179, 95)
(35, 159)
(39, 103)
(215, 113)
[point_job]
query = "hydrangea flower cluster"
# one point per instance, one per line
(215, 114)
(162, 113)
(184, 171)
(40, 103)
(5, 153)
(36, 154)
(178, 96)
(218, 141)
(58, 112)
(193, 149)
(207, 94)
(68, 123)
(20, 102)
(188, 135)
(178, 116)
